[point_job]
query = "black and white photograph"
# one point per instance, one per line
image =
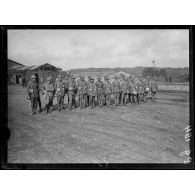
(98, 96)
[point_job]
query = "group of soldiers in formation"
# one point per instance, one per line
(125, 90)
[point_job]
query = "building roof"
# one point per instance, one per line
(14, 65)
(34, 67)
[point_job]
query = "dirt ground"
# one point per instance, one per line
(146, 133)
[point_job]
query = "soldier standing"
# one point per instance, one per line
(82, 91)
(125, 90)
(33, 93)
(107, 90)
(59, 89)
(65, 88)
(100, 91)
(49, 90)
(153, 87)
(88, 97)
(141, 89)
(116, 89)
(146, 87)
(134, 91)
(92, 92)
(72, 87)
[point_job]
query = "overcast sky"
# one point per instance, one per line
(70, 49)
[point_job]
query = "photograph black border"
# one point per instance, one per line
(5, 132)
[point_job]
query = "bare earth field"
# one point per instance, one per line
(147, 133)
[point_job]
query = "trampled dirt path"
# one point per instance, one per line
(146, 133)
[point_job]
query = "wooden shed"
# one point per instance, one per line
(42, 72)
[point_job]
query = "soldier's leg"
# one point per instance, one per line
(138, 98)
(70, 101)
(32, 99)
(115, 98)
(109, 99)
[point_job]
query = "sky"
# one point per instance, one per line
(70, 49)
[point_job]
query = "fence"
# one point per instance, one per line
(174, 86)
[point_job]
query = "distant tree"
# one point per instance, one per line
(163, 72)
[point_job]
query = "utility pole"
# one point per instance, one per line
(153, 61)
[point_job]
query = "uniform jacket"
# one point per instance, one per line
(33, 89)
(116, 86)
(49, 89)
(82, 87)
(134, 88)
(72, 87)
(141, 87)
(125, 87)
(92, 89)
(100, 87)
(107, 87)
(59, 88)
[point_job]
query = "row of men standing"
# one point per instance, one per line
(124, 89)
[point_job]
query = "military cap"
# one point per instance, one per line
(33, 77)
(72, 77)
(59, 76)
(49, 78)
(147, 77)
(91, 78)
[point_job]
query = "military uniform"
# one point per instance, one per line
(48, 91)
(154, 88)
(116, 90)
(141, 90)
(65, 86)
(134, 92)
(33, 93)
(82, 92)
(59, 89)
(72, 87)
(100, 92)
(92, 93)
(107, 90)
(146, 88)
(88, 97)
(125, 89)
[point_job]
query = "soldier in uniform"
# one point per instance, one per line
(125, 90)
(92, 92)
(72, 87)
(107, 90)
(141, 90)
(88, 82)
(146, 87)
(49, 90)
(33, 93)
(100, 91)
(65, 86)
(59, 89)
(134, 90)
(153, 87)
(82, 91)
(116, 89)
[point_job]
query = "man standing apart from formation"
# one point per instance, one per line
(33, 93)
(48, 91)
(72, 87)
(100, 91)
(146, 87)
(107, 90)
(59, 89)
(153, 87)
(116, 89)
